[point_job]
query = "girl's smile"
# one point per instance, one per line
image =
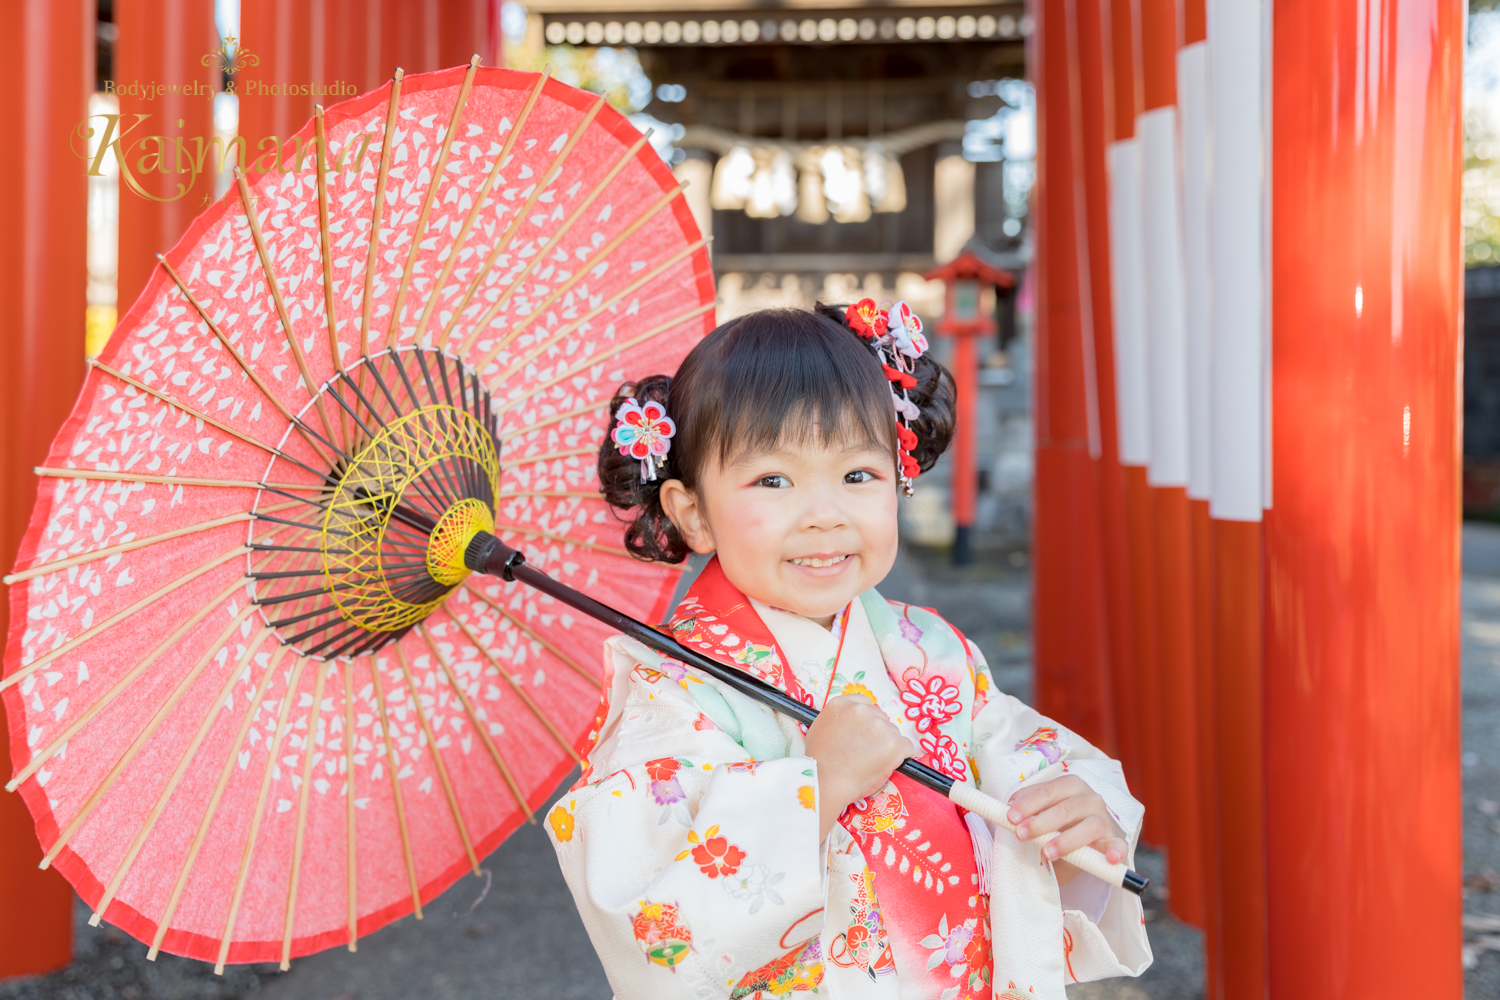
(804, 529)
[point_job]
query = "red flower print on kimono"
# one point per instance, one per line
(944, 755)
(667, 791)
(661, 934)
(798, 971)
(878, 813)
(662, 768)
(715, 856)
(930, 701)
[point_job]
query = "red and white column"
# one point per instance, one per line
(1137, 692)
(1068, 617)
(1193, 129)
(48, 45)
(1364, 846)
(1167, 356)
(1237, 57)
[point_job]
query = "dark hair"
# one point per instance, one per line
(778, 375)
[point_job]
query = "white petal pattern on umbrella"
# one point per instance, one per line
(225, 759)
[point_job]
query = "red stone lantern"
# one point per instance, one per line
(965, 320)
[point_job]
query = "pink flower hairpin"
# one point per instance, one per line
(644, 431)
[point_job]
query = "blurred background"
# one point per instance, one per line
(835, 150)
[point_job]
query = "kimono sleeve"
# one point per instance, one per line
(1104, 931)
(690, 860)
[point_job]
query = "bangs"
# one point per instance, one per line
(781, 378)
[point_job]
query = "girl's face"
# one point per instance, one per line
(803, 530)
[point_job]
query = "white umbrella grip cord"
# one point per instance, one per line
(1085, 858)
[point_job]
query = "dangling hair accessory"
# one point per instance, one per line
(896, 336)
(644, 431)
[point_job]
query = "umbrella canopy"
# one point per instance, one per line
(257, 706)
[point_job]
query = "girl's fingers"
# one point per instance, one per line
(1113, 849)
(1086, 831)
(1062, 815)
(1030, 801)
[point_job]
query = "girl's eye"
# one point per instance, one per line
(775, 482)
(859, 476)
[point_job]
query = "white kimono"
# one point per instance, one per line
(691, 843)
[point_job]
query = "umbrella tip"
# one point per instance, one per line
(93, 920)
(398, 74)
(474, 60)
(161, 257)
(318, 110)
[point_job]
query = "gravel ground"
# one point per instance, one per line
(515, 933)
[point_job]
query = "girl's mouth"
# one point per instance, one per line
(818, 562)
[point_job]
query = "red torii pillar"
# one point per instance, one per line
(1068, 610)
(162, 41)
(355, 41)
(1137, 689)
(1158, 127)
(1090, 53)
(1364, 845)
(50, 46)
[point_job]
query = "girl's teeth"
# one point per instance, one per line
(818, 563)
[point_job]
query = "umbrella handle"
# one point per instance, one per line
(487, 554)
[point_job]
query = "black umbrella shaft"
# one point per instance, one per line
(487, 554)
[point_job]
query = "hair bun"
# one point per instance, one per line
(650, 534)
(935, 394)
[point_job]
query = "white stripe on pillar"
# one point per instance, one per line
(1127, 278)
(1192, 99)
(1237, 255)
(1166, 311)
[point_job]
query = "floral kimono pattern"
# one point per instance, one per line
(691, 841)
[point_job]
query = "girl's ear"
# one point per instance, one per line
(686, 514)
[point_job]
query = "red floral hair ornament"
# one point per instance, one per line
(644, 431)
(896, 336)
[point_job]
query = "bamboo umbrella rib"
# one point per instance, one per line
(546, 249)
(619, 348)
(605, 252)
(547, 457)
(520, 692)
(390, 763)
(88, 714)
(28, 669)
(372, 257)
(563, 331)
(265, 390)
(420, 232)
(140, 543)
(325, 241)
(191, 410)
(149, 824)
(437, 759)
(259, 813)
(275, 285)
(479, 203)
(545, 178)
(558, 418)
(551, 494)
(566, 540)
(350, 870)
(209, 811)
(308, 750)
(484, 736)
(325, 250)
(136, 477)
(518, 623)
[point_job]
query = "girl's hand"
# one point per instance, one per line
(856, 747)
(1070, 805)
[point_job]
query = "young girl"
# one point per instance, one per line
(717, 849)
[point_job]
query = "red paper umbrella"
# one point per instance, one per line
(257, 705)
